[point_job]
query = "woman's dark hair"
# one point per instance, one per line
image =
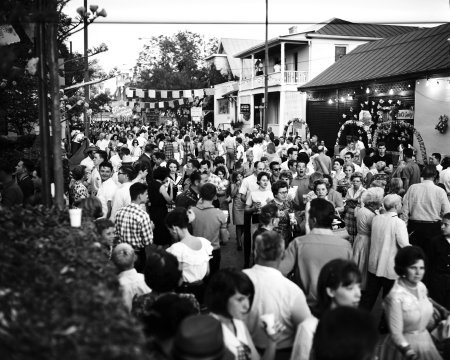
(339, 160)
(335, 273)
(368, 161)
(78, 172)
(160, 173)
(135, 142)
(406, 257)
(103, 224)
(277, 185)
(172, 161)
(345, 333)
(220, 169)
(323, 212)
(162, 273)
(356, 175)
(223, 285)
(260, 175)
(320, 182)
(165, 315)
(92, 207)
(234, 176)
(129, 171)
(177, 217)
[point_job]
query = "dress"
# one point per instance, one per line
(284, 224)
(408, 317)
(158, 212)
(238, 209)
(361, 246)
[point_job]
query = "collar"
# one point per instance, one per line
(391, 214)
(203, 206)
(321, 231)
(127, 273)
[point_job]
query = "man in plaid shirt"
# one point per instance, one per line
(133, 225)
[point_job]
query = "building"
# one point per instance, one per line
(294, 59)
(395, 89)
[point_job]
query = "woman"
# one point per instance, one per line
(188, 148)
(287, 177)
(372, 200)
(136, 150)
(305, 148)
(352, 200)
(285, 210)
(382, 176)
(78, 190)
(160, 194)
(238, 207)
(193, 253)
(271, 153)
(220, 146)
(176, 180)
(409, 311)
(229, 297)
(260, 197)
(320, 191)
(102, 143)
(345, 183)
(396, 186)
(338, 172)
(338, 285)
(268, 220)
(92, 208)
(223, 188)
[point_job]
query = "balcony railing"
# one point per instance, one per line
(290, 78)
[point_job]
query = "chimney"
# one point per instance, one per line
(293, 30)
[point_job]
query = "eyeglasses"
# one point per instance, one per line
(282, 192)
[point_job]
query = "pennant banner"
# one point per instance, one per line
(167, 94)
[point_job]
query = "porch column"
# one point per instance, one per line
(281, 120)
(253, 69)
(241, 71)
(282, 64)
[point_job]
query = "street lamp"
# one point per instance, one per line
(88, 18)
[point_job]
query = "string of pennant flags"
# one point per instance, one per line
(162, 99)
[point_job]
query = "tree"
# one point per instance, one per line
(177, 62)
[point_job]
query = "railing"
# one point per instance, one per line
(290, 78)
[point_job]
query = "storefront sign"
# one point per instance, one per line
(196, 111)
(405, 114)
(245, 109)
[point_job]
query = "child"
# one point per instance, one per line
(131, 282)
(105, 229)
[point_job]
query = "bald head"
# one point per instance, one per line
(123, 256)
(392, 201)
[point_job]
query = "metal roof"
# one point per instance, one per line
(231, 46)
(424, 51)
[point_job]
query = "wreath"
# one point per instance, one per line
(365, 127)
(302, 123)
(399, 129)
(442, 125)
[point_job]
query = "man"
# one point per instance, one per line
(122, 197)
(322, 162)
(410, 174)
(24, 169)
(107, 188)
(258, 149)
(248, 165)
(168, 148)
(99, 157)
(230, 145)
(274, 294)
(292, 167)
(11, 194)
(275, 169)
(302, 183)
(209, 148)
(88, 161)
(444, 175)
(205, 167)
(190, 196)
(383, 156)
(439, 262)
(292, 154)
(210, 223)
(146, 160)
(158, 158)
(142, 138)
(133, 225)
(424, 205)
(436, 160)
(351, 147)
(389, 233)
(348, 160)
(306, 255)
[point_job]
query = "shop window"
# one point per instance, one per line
(339, 51)
(223, 107)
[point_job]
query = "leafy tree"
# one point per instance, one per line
(177, 62)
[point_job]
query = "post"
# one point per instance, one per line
(266, 69)
(282, 64)
(55, 108)
(86, 71)
(44, 129)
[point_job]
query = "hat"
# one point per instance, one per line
(199, 337)
(90, 148)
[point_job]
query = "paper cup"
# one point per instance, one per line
(225, 212)
(291, 217)
(75, 217)
(269, 321)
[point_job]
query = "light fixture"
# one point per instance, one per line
(428, 83)
(342, 99)
(409, 85)
(367, 91)
(437, 82)
(391, 92)
(330, 101)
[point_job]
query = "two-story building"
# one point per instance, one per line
(294, 59)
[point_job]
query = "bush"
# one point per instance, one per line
(59, 296)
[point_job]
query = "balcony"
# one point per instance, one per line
(290, 78)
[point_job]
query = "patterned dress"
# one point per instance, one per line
(77, 192)
(284, 225)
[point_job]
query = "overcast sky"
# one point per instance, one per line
(129, 20)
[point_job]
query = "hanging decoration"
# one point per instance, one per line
(399, 131)
(298, 126)
(442, 125)
(363, 130)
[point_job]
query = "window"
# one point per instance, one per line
(339, 51)
(223, 107)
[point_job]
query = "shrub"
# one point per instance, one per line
(59, 296)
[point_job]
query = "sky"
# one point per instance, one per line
(129, 20)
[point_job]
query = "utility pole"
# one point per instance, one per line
(44, 128)
(266, 69)
(86, 70)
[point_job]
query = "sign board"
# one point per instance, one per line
(245, 109)
(196, 111)
(405, 114)
(196, 118)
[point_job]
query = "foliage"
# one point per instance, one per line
(177, 62)
(59, 295)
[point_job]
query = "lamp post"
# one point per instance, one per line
(88, 18)
(266, 69)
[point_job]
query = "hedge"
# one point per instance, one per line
(59, 295)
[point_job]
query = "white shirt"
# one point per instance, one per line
(102, 144)
(258, 152)
(116, 162)
(88, 162)
(444, 178)
(106, 193)
(304, 339)
(275, 294)
(259, 196)
(248, 184)
(132, 283)
(121, 198)
(194, 263)
(96, 181)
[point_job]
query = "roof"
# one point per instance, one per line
(229, 47)
(421, 52)
(334, 28)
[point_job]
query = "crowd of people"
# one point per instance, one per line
(320, 237)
